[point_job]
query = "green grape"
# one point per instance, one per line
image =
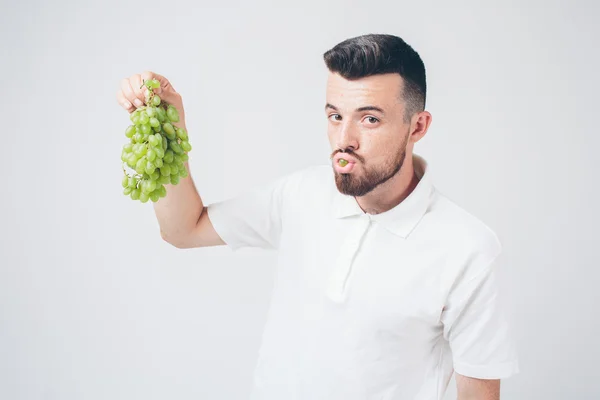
(186, 146)
(152, 140)
(172, 114)
(154, 196)
(176, 147)
(132, 159)
(144, 186)
(153, 84)
(168, 158)
(130, 131)
(140, 166)
(151, 154)
(164, 179)
(148, 84)
(135, 194)
(157, 149)
(146, 129)
(134, 117)
(161, 114)
(168, 128)
(150, 167)
(182, 134)
(160, 153)
(165, 170)
(144, 118)
(141, 150)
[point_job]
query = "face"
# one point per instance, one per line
(366, 129)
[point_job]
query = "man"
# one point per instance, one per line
(384, 286)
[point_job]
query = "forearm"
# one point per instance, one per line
(179, 211)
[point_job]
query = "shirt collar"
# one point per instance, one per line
(404, 217)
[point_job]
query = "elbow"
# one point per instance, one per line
(175, 241)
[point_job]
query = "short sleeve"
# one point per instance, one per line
(476, 327)
(252, 218)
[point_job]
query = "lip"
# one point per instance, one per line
(347, 157)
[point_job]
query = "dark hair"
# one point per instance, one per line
(375, 54)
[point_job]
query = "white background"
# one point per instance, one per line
(94, 305)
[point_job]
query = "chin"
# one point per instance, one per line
(352, 185)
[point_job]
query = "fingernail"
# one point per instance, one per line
(138, 103)
(126, 104)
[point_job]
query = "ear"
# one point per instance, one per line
(419, 124)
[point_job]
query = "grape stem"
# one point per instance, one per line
(138, 176)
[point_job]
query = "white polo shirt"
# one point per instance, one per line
(370, 306)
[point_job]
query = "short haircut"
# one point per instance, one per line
(375, 54)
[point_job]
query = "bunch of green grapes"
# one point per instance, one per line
(157, 150)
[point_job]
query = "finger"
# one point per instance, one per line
(166, 91)
(165, 85)
(128, 93)
(136, 84)
(122, 100)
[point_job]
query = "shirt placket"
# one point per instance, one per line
(339, 280)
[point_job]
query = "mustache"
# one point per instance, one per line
(350, 152)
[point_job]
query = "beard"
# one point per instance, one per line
(354, 184)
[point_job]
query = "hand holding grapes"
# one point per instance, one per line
(158, 141)
(132, 93)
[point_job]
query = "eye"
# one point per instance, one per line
(372, 120)
(336, 117)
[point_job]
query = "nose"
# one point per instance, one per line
(347, 137)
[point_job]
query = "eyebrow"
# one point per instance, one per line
(365, 108)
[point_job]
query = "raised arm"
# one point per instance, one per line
(181, 214)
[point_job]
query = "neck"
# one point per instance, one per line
(391, 193)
